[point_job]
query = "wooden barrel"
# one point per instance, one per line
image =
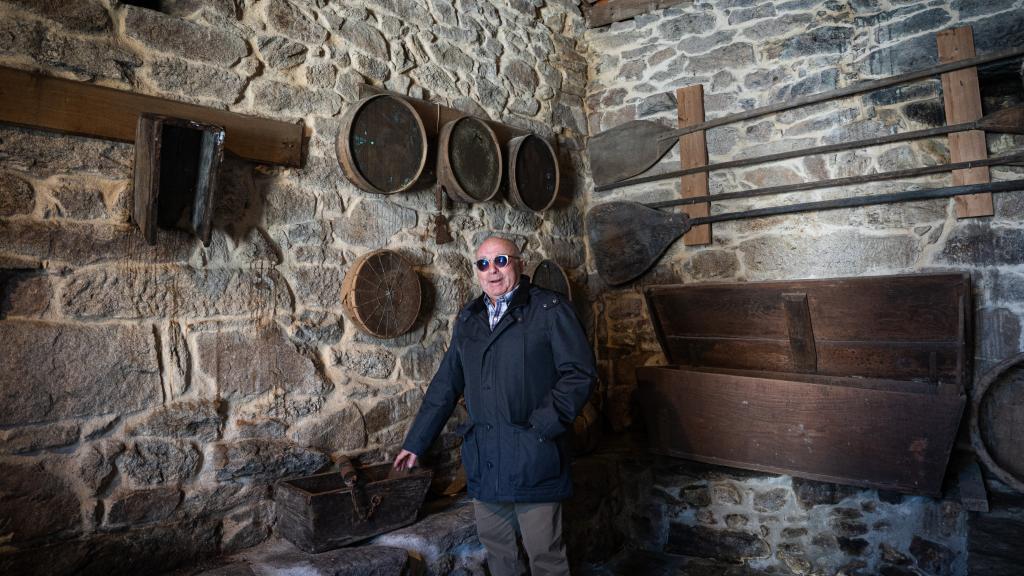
(381, 294)
(469, 160)
(533, 176)
(997, 421)
(382, 146)
(548, 274)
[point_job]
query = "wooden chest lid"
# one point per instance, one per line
(908, 327)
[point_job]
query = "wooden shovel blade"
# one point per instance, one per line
(627, 238)
(1005, 121)
(626, 150)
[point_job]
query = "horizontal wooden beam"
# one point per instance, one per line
(39, 101)
(604, 12)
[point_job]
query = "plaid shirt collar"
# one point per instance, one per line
(496, 310)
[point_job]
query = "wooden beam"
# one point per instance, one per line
(39, 101)
(604, 12)
(962, 99)
(693, 152)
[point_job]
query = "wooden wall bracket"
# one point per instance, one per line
(38, 101)
(801, 333)
(693, 152)
(962, 100)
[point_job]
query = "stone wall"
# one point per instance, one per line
(747, 54)
(151, 394)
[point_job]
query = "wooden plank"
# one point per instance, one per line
(604, 12)
(962, 101)
(911, 327)
(931, 361)
(801, 334)
(973, 495)
(917, 307)
(883, 439)
(693, 152)
(38, 101)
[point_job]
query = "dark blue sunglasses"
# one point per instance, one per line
(500, 261)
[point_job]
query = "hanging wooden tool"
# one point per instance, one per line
(176, 163)
(627, 238)
(533, 174)
(548, 274)
(996, 421)
(633, 147)
(381, 294)
(1006, 121)
(382, 146)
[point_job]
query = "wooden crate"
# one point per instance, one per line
(855, 380)
(319, 512)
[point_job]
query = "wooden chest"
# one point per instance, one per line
(320, 512)
(853, 380)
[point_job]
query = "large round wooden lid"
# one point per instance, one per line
(469, 161)
(533, 176)
(997, 421)
(382, 146)
(381, 294)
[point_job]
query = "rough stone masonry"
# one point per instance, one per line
(150, 395)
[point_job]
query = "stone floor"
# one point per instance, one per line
(643, 563)
(443, 541)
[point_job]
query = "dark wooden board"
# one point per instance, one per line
(39, 101)
(883, 439)
(912, 327)
(548, 274)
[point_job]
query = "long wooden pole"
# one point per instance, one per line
(858, 88)
(1009, 120)
(836, 182)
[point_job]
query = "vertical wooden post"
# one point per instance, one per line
(693, 151)
(962, 100)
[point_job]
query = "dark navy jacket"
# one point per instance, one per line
(524, 384)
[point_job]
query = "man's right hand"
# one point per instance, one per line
(405, 459)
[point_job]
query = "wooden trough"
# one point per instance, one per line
(322, 512)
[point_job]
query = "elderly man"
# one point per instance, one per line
(519, 356)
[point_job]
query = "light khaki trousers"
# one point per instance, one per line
(541, 528)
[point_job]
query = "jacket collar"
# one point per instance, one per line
(520, 298)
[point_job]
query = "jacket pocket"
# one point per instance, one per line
(538, 460)
(470, 453)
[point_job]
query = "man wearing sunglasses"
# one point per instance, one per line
(521, 359)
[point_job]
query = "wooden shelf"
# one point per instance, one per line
(38, 101)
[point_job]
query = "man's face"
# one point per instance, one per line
(496, 281)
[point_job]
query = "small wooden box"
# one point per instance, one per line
(319, 512)
(176, 164)
(854, 380)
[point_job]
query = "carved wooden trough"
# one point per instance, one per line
(856, 380)
(323, 511)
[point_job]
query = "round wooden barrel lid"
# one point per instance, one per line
(533, 176)
(381, 293)
(997, 421)
(469, 162)
(382, 146)
(548, 274)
